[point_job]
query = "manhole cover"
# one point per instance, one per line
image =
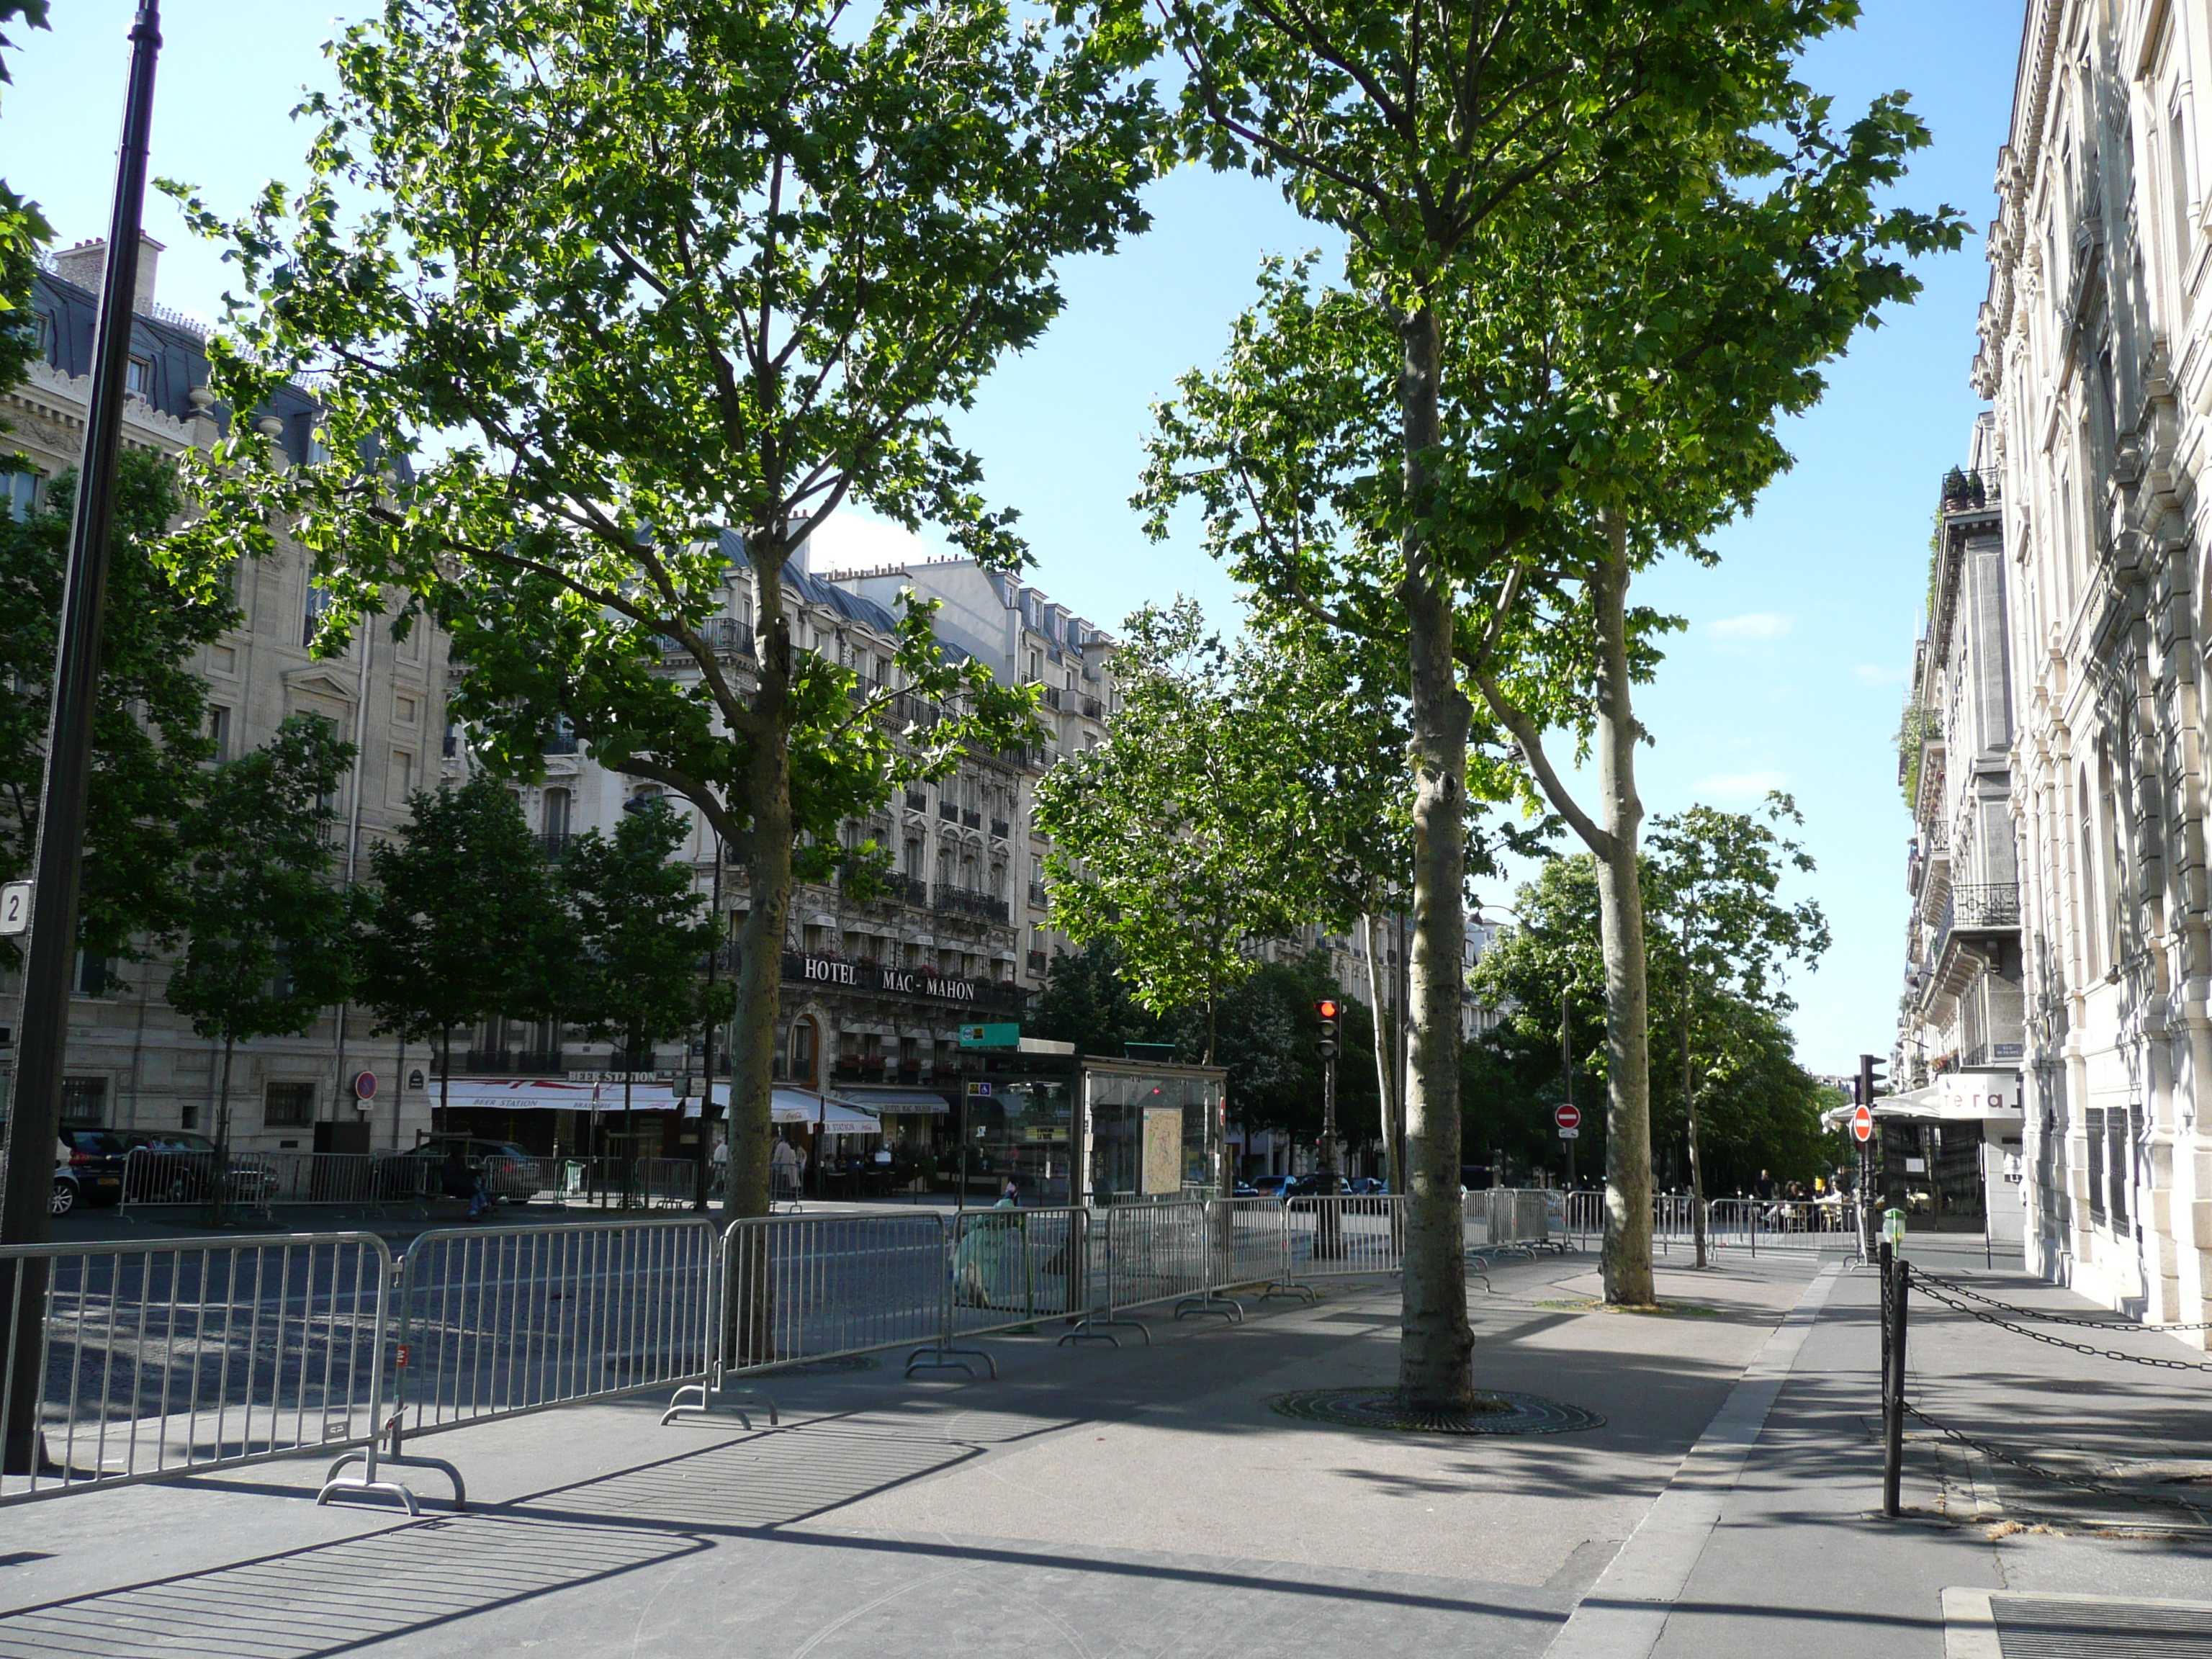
(1383, 1408)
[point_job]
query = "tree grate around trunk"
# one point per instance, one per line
(1496, 1412)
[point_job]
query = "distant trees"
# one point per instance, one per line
(641, 933)
(267, 934)
(150, 739)
(464, 922)
(1727, 1088)
(627, 275)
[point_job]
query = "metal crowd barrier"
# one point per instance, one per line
(155, 1361)
(1751, 1224)
(799, 1289)
(1513, 1220)
(1164, 1251)
(166, 1361)
(257, 1181)
(1011, 1267)
(494, 1322)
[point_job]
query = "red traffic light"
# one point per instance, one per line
(1326, 1009)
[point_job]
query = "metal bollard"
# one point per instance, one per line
(1893, 1468)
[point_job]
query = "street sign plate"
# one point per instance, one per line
(990, 1037)
(1568, 1117)
(15, 907)
(1571, 1134)
(1863, 1124)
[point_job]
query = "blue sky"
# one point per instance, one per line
(1792, 670)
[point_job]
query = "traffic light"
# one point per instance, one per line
(1870, 1077)
(1325, 1008)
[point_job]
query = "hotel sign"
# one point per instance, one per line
(898, 982)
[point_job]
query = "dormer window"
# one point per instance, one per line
(138, 377)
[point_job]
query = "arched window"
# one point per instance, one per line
(805, 1049)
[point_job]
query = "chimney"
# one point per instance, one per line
(86, 265)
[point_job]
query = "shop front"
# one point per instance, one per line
(1950, 1154)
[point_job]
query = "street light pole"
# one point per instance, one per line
(27, 1196)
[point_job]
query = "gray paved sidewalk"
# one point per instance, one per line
(1130, 1502)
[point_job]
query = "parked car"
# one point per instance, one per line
(1367, 1185)
(177, 1166)
(1244, 1189)
(1314, 1186)
(88, 1163)
(510, 1175)
(1269, 1186)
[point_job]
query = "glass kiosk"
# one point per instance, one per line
(1067, 1127)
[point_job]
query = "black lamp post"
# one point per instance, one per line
(27, 1193)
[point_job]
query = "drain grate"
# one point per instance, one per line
(2099, 1627)
(1499, 1410)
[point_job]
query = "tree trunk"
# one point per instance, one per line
(1393, 1178)
(1435, 1353)
(760, 942)
(767, 805)
(1620, 914)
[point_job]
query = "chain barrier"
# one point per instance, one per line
(2082, 1483)
(2157, 1361)
(2041, 1317)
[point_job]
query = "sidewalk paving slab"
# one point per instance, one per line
(1147, 1501)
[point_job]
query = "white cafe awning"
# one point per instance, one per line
(1954, 1097)
(560, 1095)
(894, 1101)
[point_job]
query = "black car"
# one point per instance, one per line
(177, 1166)
(1314, 1186)
(89, 1162)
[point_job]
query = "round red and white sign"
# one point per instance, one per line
(364, 1085)
(1568, 1117)
(1863, 1124)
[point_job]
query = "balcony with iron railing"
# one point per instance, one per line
(948, 811)
(723, 635)
(961, 902)
(1093, 708)
(971, 820)
(1972, 916)
(1037, 901)
(1037, 962)
(1052, 696)
(553, 843)
(917, 801)
(1000, 829)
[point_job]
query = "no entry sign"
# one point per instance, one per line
(1863, 1124)
(1568, 1117)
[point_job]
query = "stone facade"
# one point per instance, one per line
(1952, 1137)
(2097, 356)
(134, 1062)
(876, 989)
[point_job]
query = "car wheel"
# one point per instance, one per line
(65, 1199)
